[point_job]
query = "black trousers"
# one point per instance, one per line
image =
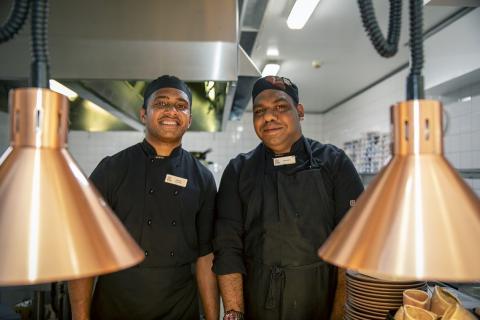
(145, 294)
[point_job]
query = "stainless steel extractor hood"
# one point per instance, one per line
(95, 42)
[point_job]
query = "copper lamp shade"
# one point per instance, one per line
(417, 219)
(54, 225)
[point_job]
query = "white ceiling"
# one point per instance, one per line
(335, 36)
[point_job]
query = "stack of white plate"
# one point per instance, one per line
(372, 298)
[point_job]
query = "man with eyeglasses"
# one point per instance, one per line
(276, 205)
(165, 198)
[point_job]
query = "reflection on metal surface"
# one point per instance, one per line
(87, 116)
(208, 108)
(105, 105)
(208, 105)
(54, 225)
(418, 219)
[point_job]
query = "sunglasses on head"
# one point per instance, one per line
(279, 82)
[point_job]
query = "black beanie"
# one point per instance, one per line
(275, 83)
(166, 81)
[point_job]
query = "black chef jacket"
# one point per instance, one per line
(271, 220)
(171, 223)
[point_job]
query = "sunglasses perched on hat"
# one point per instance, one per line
(280, 82)
(275, 83)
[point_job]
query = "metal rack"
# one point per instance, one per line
(465, 173)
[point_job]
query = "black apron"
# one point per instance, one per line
(164, 293)
(285, 278)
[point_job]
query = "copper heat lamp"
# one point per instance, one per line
(54, 225)
(417, 219)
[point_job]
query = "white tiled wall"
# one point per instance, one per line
(462, 138)
(89, 148)
(449, 54)
(370, 112)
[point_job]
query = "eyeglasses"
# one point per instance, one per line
(278, 109)
(164, 106)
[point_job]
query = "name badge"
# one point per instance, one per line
(281, 161)
(176, 180)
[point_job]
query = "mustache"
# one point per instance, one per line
(169, 118)
(272, 123)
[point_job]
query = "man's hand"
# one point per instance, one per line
(231, 289)
(80, 293)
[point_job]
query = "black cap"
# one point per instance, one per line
(166, 81)
(275, 83)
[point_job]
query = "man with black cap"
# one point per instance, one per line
(276, 205)
(165, 198)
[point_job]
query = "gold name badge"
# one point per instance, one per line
(281, 161)
(182, 182)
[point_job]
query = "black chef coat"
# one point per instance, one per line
(171, 223)
(271, 220)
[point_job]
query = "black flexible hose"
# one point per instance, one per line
(15, 21)
(39, 75)
(415, 87)
(388, 47)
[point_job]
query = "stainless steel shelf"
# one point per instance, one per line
(470, 173)
(464, 173)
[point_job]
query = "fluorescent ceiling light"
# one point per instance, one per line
(60, 88)
(270, 69)
(301, 12)
(272, 52)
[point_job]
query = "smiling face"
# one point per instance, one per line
(167, 116)
(276, 120)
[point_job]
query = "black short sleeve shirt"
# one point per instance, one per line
(166, 203)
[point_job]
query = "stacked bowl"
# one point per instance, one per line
(372, 298)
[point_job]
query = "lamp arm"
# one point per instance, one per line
(39, 68)
(15, 20)
(415, 87)
(385, 47)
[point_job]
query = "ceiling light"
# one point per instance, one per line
(272, 52)
(60, 88)
(270, 69)
(301, 12)
(316, 64)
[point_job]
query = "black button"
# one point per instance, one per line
(151, 191)
(149, 222)
(146, 253)
(172, 253)
(175, 193)
(297, 214)
(152, 160)
(174, 223)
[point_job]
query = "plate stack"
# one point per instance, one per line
(372, 298)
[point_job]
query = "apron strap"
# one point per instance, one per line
(275, 287)
(276, 283)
